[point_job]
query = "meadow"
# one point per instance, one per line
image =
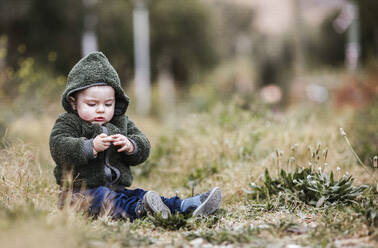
(255, 153)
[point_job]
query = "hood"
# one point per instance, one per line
(93, 70)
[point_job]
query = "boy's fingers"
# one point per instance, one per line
(120, 141)
(103, 135)
(117, 143)
(108, 139)
(122, 149)
(116, 140)
(118, 136)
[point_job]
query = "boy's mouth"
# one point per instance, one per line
(99, 119)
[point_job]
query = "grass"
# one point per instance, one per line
(230, 146)
(312, 187)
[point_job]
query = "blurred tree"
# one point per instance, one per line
(369, 28)
(232, 22)
(142, 71)
(182, 33)
(275, 60)
(89, 38)
(327, 46)
(115, 35)
(49, 31)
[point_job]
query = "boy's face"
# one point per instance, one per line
(95, 104)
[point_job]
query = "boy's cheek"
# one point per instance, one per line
(85, 115)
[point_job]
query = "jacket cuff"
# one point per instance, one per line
(88, 149)
(135, 147)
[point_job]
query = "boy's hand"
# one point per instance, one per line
(101, 143)
(123, 142)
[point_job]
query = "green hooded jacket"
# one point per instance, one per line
(71, 139)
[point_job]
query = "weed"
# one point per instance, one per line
(209, 148)
(363, 130)
(180, 221)
(164, 147)
(208, 221)
(368, 207)
(284, 227)
(173, 222)
(310, 186)
(313, 187)
(199, 174)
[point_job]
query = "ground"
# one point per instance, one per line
(230, 147)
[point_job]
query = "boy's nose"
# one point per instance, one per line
(100, 109)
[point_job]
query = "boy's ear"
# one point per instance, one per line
(72, 102)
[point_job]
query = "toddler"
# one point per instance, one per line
(94, 144)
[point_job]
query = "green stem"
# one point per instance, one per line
(356, 155)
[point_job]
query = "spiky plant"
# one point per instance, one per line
(311, 186)
(173, 222)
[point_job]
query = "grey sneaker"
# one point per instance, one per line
(203, 204)
(210, 201)
(153, 203)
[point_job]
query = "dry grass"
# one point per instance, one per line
(227, 147)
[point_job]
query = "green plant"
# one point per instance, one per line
(173, 222)
(313, 187)
(179, 221)
(285, 226)
(29, 88)
(164, 147)
(199, 174)
(363, 132)
(368, 207)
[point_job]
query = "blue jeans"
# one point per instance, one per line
(119, 204)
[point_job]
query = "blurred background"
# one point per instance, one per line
(225, 90)
(180, 56)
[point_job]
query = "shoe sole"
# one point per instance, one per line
(153, 202)
(211, 204)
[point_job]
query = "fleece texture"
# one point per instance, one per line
(94, 69)
(71, 139)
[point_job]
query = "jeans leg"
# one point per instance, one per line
(122, 204)
(99, 199)
(127, 201)
(119, 205)
(173, 203)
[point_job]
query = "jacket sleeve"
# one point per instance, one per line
(67, 148)
(142, 145)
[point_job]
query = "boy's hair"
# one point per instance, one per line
(94, 70)
(74, 94)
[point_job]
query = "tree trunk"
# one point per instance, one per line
(142, 57)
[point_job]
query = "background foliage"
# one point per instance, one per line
(219, 132)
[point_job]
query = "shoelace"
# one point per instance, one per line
(139, 209)
(204, 196)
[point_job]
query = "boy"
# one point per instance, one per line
(95, 143)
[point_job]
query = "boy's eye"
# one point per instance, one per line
(91, 104)
(109, 104)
